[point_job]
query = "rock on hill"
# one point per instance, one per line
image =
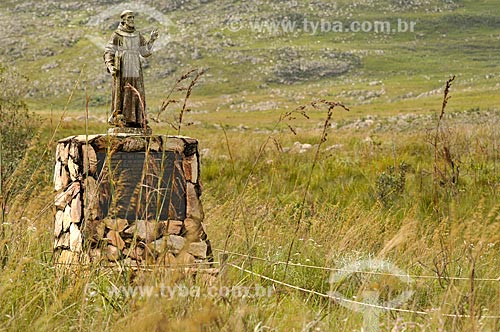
(245, 44)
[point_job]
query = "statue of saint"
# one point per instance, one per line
(122, 58)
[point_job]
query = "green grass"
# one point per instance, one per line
(458, 40)
(342, 221)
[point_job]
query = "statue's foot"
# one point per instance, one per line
(137, 125)
(117, 121)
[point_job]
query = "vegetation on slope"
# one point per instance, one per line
(399, 177)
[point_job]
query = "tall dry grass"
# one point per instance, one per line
(255, 192)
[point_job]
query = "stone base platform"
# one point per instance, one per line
(130, 131)
(129, 199)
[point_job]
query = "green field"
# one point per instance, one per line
(385, 181)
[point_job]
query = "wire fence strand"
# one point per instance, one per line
(330, 296)
(337, 298)
(354, 271)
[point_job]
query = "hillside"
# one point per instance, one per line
(264, 55)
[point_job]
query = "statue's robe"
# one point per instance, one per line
(123, 51)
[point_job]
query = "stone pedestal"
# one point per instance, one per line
(129, 199)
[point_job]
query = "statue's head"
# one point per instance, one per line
(128, 17)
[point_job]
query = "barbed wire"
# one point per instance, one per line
(337, 298)
(353, 271)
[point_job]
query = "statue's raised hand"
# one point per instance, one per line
(112, 70)
(154, 35)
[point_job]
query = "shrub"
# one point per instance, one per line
(17, 129)
(391, 184)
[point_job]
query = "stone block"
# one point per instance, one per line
(63, 153)
(58, 184)
(117, 224)
(59, 147)
(76, 209)
(136, 253)
(74, 152)
(167, 259)
(62, 241)
(115, 239)
(193, 229)
(185, 258)
(198, 249)
(74, 169)
(83, 139)
(101, 143)
(66, 221)
(158, 247)
(75, 238)
(173, 144)
(94, 230)
(112, 253)
(65, 178)
(134, 144)
(190, 167)
(155, 144)
(171, 227)
(91, 199)
(58, 224)
(175, 243)
(89, 160)
(194, 209)
(64, 198)
(190, 146)
(95, 254)
(147, 231)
